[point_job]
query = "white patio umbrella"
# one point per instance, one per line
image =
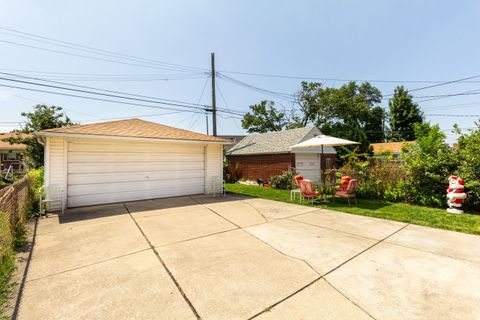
(321, 141)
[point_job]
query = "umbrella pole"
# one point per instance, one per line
(322, 172)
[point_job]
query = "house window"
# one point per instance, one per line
(328, 163)
(9, 156)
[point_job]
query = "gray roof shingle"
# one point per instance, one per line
(273, 142)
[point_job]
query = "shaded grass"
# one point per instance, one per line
(424, 216)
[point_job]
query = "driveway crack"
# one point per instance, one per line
(170, 274)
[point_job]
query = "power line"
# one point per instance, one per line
(117, 94)
(279, 95)
(334, 79)
(191, 108)
(85, 56)
(438, 85)
(160, 100)
(94, 98)
(455, 115)
(94, 50)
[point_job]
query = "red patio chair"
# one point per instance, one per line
(344, 180)
(308, 191)
(350, 192)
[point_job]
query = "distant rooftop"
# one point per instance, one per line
(394, 147)
(274, 142)
(7, 145)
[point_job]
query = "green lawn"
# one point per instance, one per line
(430, 217)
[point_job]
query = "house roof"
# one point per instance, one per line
(274, 142)
(7, 145)
(132, 128)
(395, 147)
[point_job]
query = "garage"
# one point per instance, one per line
(128, 160)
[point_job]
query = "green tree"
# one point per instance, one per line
(348, 112)
(264, 117)
(404, 114)
(428, 163)
(42, 117)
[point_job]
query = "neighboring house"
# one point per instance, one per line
(233, 141)
(11, 154)
(128, 160)
(263, 155)
(394, 148)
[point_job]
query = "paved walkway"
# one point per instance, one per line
(243, 258)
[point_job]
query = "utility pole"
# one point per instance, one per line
(214, 101)
(206, 119)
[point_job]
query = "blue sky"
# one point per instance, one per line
(399, 41)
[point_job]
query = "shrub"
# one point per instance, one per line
(428, 163)
(381, 179)
(36, 178)
(283, 181)
(469, 149)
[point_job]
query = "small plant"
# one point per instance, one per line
(7, 267)
(283, 181)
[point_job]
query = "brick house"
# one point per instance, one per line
(263, 155)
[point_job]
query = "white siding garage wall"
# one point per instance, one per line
(214, 168)
(308, 165)
(95, 171)
(55, 171)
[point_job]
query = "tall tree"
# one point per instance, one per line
(348, 112)
(404, 114)
(264, 117)
(42, 117)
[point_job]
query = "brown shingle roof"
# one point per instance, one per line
(7, 145)
(395, 147)
(134, 128)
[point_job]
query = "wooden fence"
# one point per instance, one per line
(14, 202)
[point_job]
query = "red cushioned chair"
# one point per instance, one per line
(350, 192)
(307, 190)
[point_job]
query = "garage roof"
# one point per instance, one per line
(131, 128)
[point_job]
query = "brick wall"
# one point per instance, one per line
(260, 166)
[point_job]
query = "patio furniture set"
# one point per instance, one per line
(306, 189)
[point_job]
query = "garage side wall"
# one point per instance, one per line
(55, 172)
(213, 168)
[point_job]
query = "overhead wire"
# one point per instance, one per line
(90, 49)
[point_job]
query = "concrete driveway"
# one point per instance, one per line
(244, 258)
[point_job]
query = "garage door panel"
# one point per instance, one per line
(88, 178)
(78, 201)
(136, 148)
(159, 185)
(103, 157)
(115, 172)
(133, 167)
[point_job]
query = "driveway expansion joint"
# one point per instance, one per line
(353, 302)
(87, 265)
(332, 229)
(170, 274)
(210, 209)
(327, 273)
(365, 250)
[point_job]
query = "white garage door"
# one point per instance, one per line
(114, 172)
